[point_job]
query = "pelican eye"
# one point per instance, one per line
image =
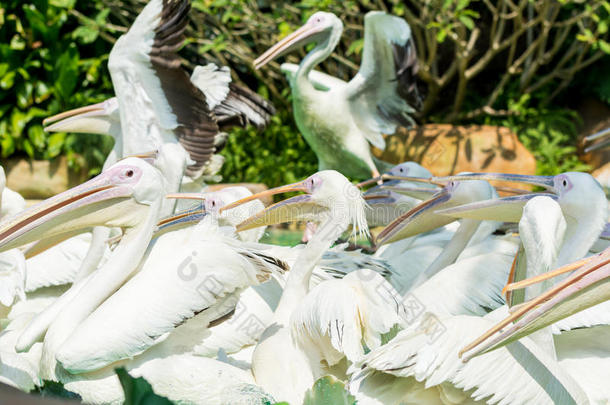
(129, 173)
(564, 182)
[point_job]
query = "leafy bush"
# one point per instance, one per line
(50, 61)
(280, 156)
(550, 133)
(53, 57)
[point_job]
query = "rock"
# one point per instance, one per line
(446, 149)
(40, 179)
(253, 187)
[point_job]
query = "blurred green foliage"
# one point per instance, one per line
(53, 57)
(549, 132)
(49, 62)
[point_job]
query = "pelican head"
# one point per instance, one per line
(329, 196)
(577, 193)
(586, 287)
(403, 174)
(118, 197)
(423, 217)
(214, 203)
(412, 169)
(323, 28)
(100, 118)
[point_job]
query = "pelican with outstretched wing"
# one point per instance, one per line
(339, 119)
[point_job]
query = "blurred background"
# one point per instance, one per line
(507, 84)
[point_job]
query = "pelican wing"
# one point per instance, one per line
(190, 286)
(232, 104)
(521, 373)
(12, 202)
(58, 265)
(338, 315)
(157, 98)
(320, 81)
(586, 354)
(383, 93)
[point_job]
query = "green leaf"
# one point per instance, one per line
(18, 122)
(604, 46)
(85, 34)
(328, 390)
(355, 47)
(7, 80)
(36, 20)
(462, 4)
(138, 391)
(284, 29)
(17, 43)
(67, 72)
(37, 137)
(467, 21)
(8, 146)
(24, 95)
(28, 148)
(100, 18)
(441, 35)
(55, 144)
(69, 4)
(4, 68)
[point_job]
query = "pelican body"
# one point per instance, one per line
(339, 119)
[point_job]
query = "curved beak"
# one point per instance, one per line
(92, 119)
(182, 219)
(298, 208)
(77, 208)
(605, 133)
(421, 193)
(541, 181)
(304, 35)
(584, 288)
(421, 218)
(505, 209)
(299, 186)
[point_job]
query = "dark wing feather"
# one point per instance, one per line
(383, 93)
(197, 127)
(241, 107)
(405, 60)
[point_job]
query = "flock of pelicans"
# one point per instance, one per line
(466, 295)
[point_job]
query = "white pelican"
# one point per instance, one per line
(416, 262)
(387, 202)
(421, 364)
(257, 303)
(158, 107)
(583, 289)
(157, 104)
(314, 330)
(340, 119)
(111, 308)
(583, 204)
(12, 263)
